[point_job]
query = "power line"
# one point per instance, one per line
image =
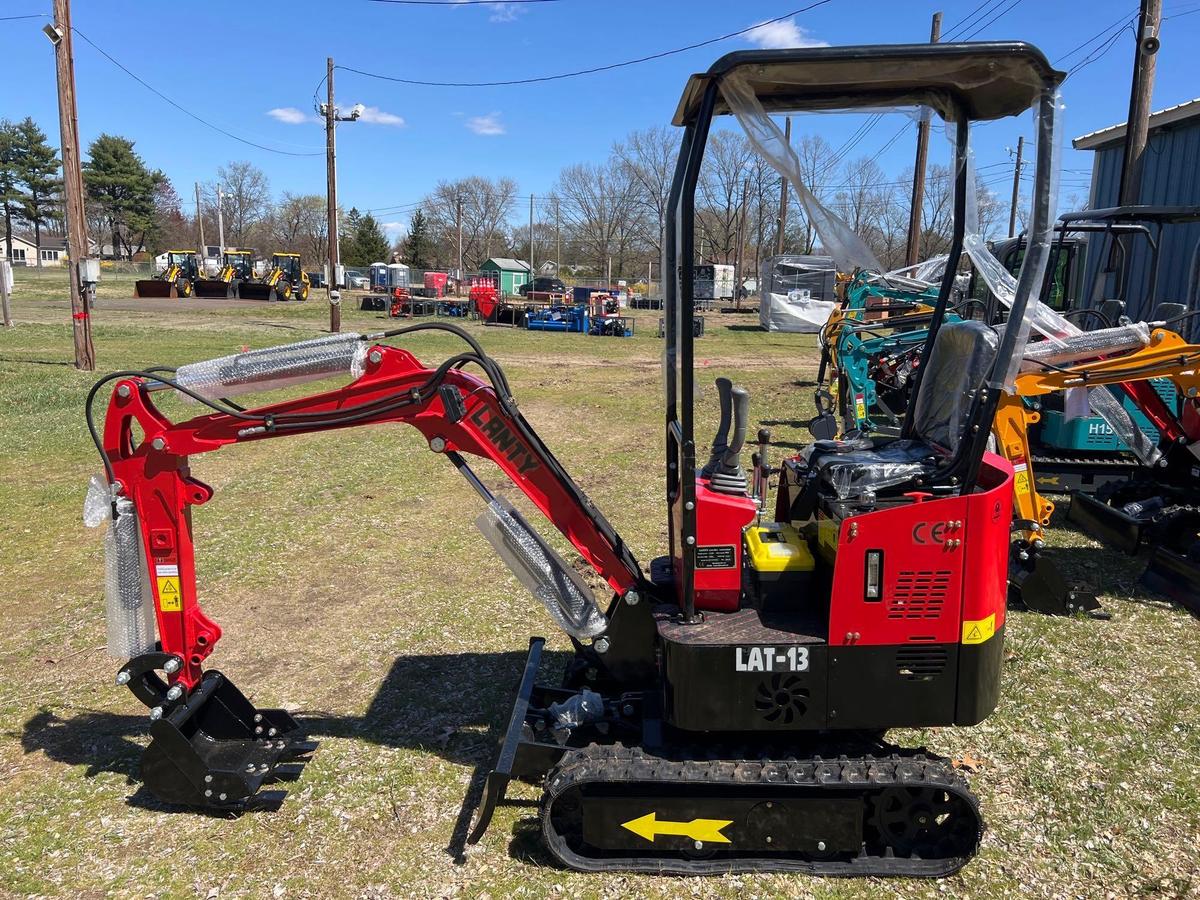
(30, 16)
(1004, 12)
(183, 109)
(971, 18)
(591, 71)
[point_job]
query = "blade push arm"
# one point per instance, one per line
(455, 411)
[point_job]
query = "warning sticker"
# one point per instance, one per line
(860, 406)
(163, 570)
(976, 631)
(168, 593)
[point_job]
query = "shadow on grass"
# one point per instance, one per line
(454, 705)
(36, 362)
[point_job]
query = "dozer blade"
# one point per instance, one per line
(1174, 575)
(213, 288)
(253, 291)
(155, 287)
(215, 748)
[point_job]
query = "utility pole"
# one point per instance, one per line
(458, 217)
(783, 193)
(740, 253)
(77, 238)
(199, 218)
(221, 221)
(531, 242)
(918, 191)
(1016, 194)
(557, 241)
(335, 310)
(1137, 127)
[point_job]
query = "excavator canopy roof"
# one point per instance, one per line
(987, 80)
(1166, 215)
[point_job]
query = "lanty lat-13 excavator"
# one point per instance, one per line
(728, 710)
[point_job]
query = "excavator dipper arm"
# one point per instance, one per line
(457, 412)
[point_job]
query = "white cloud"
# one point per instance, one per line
(291, 116)
(504, 12)
(785, 33)
(486, 125)
(376, 116)
(395, 229)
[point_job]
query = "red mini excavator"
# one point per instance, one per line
(727, 709)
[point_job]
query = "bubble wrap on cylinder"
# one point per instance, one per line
(1086, 345)
(542, 571)
(127, 600)
(274, 367)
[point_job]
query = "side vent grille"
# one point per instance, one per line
(781, 699)
(918, 595)
(920, 663)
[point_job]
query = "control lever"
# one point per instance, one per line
(724, 468)
(762, 469)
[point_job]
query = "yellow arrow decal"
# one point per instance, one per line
(649, 826)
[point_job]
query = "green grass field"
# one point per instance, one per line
(354, 589)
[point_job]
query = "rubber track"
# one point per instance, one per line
(615, 763)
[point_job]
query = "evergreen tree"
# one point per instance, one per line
(123, 190)
(417, 245)
(368, 243)
(37, 170)
(10, 193)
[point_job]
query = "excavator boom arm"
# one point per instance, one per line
(457, 412)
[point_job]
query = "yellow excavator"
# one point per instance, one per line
(237, 266)
(176, 280)
(1164, 354)
(286, 280)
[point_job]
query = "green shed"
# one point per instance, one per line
(512, 273)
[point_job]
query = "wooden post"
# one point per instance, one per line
(77, 237)
(1137, 128)
(1016, 192)
(335, 309)
(913, 247)
(200, 219)
(5, 275)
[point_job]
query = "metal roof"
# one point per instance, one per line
(1113, 133)
(508, 264)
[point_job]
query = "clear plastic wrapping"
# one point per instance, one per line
(1086, 345)
(963, 354)
(275, 367)
(579, 709)
(857, 474)
(129, 605)
(848, 250)
(564, 594)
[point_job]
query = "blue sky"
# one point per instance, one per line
(257, 80)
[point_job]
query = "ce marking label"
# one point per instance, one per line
(930, 532)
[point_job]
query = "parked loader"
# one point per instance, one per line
(728, 709)
(286, 280)
(175, 280)
(237, 266)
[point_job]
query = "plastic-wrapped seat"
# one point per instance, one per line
(960, 360)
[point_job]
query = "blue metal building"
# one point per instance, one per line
(1171, 177)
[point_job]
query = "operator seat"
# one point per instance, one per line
(962, 356)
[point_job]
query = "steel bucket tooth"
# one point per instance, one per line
(216, 749)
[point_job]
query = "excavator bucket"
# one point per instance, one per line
(154, 287)
(214, 288)
(213, 747)
(253, 290)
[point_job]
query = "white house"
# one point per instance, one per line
(23, 252)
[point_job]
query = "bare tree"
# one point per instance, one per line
(247, 200)
(814, 154)
(600, 204)
(649, 158)
(299, 222)
(487, 205)
(722, 181)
